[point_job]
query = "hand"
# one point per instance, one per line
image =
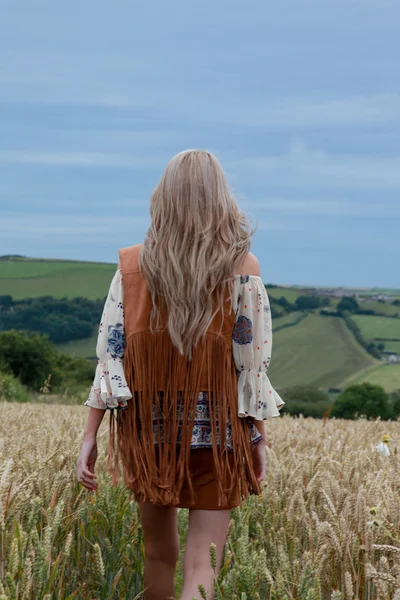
(86, 462)
(259, 459)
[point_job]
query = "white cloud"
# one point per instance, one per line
(326, 207)
(309, 167)
(79, 159)
(97, 226)
(303, 112)
(274, 224)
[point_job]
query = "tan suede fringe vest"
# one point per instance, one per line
(155, 472)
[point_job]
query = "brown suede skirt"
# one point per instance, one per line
(205, 484)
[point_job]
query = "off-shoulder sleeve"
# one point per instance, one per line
(109, 389)
(252, 346)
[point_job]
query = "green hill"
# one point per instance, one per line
(392, 347)
(31, 278)
(384, 308)
(319, 351)
(289, 293)
(388, 376)
(374, 328)
(307, 348)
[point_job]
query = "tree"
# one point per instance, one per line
(304, 393)
(349, 304)
(6, 301)
(283, 301)
(70, 371)
(362, 399)
(11, 389)
(275, 314)
(306, 302)
(29, 356)
(61, 319)
(306, 400)
(395, 398)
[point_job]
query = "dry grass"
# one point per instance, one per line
(327, 524)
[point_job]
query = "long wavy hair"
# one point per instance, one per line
(197, 237)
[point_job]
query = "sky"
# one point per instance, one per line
(299, 100)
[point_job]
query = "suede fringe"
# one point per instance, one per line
(153, 365)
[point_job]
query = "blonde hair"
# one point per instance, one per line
(197, 237)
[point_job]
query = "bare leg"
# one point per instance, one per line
(205, 527)
(161, 543)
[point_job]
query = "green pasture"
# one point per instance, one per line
(288, 319)
(319, 351)
(70, 279)
(289, 293)
(85, 348)
(377, 327)
(384, 308)
(392, 347)
(388, 376)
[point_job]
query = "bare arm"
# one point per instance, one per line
(93, 423)
(261, 429)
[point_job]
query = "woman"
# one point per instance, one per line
(183, 351)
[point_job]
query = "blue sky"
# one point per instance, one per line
(300, 101)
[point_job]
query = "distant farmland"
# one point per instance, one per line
(388, 376)
(307, 348)
(378, 327)
(319, 351)
(69, 279)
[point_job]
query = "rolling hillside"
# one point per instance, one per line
(32, 278)
(388, 376)
(319, 351)
(307, 348)
(374, 328)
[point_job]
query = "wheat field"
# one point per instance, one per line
(327, 524)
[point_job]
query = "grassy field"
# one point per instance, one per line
(81, 348)
(377, 327)
(388, 376)
(326, 489)
(384, 308)
(319, 351)
(33, 278)
(291, 365)
(392, 347)
(288, 319)
(289, 293)
(87, 347)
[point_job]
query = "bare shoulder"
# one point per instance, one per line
(249, 266)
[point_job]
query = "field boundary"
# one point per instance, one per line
(299, 319)
(368, 375)
(358, 374)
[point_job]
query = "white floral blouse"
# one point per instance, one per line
(251, 347)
